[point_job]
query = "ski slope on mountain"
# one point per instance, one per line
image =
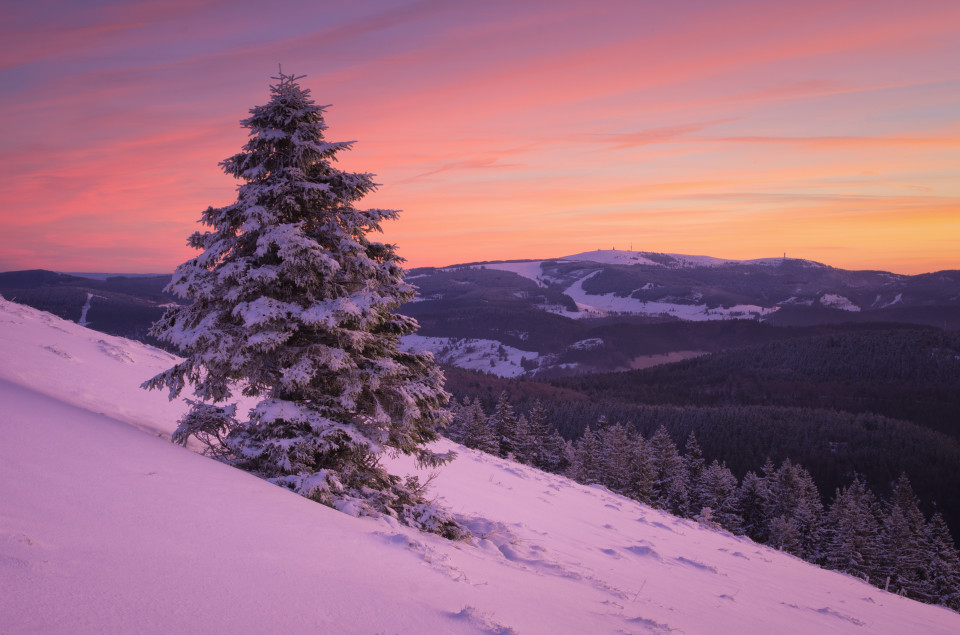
(597, 305)
(106, 527)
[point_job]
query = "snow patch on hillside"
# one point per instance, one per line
(897, 300)
(834, 301)
(587, 344)
(795, 301)
(612, 257)
(600, 305)
(529, 270)
(86, 309)
(621, 257)
(489, 356)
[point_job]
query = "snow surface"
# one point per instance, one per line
(532, 269)
(599, 305)
(489, 356)
(897, 300)
(104, 528)
(612, 257)
(529, 270)
(86, 309)
(834, 301)
(621, 257)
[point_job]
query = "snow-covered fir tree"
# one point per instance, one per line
(852, 542)
(794, 511)
(694, 464)
(671, 485)
(642, 472)
(616, 457)
(943, 567)
(533, 433)
(503, 421)
(585, 463)
(905, 552)
(294, 303)
(717, 490)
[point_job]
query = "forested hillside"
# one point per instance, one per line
(885, 540)
(910, 374)
(833, 444)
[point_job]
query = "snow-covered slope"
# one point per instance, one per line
(622, 257)
(489, 356)
(105, 528)
(598, 305)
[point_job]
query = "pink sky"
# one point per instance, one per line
(829, 130)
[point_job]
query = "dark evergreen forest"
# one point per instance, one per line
(910, 374)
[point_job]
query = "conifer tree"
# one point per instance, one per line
(457, 425)
(943, 564)
(852, 543)
(553, 453)
(642, 472)
(793, 510)
(536, 438)
(904, 543)
(616, 457)
(694, 464)
(718, 491)
(503, 421)
(750, 503)
(525, 450)
(480, 435)
(585, 464)
(294, 303)
(671, 487)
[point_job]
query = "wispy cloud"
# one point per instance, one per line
(511, 125)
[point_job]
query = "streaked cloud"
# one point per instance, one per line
(739, 128)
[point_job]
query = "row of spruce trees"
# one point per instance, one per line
(888, 542)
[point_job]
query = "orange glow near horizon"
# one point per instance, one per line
(731, 128)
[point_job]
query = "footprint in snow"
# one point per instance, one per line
(651, 626)
(483, 620)
(58, 352)
(115, 352)
(643, 551)
(833, 613)
(696, 565)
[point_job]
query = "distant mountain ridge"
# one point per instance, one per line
(124, 305)
(596, 311)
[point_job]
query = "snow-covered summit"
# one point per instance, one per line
(107, 528)
(623, 257)
(532, 268)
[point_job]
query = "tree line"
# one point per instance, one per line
(888, 542)
(832, 445)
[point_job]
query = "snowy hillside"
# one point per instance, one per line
(485, 355)
(104, 527)
(540, 308)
